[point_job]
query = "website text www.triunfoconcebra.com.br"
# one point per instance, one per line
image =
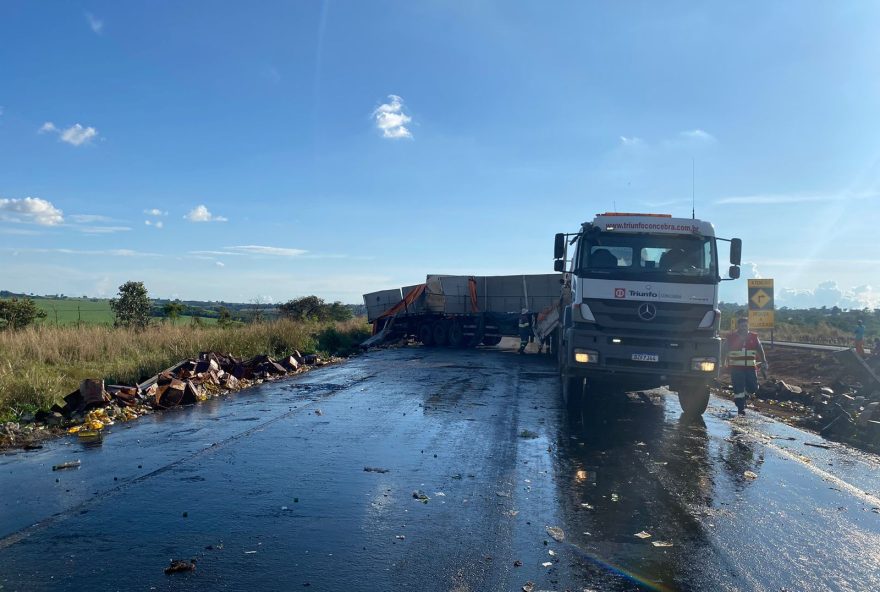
(662, 226)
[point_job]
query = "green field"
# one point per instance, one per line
(69, 311)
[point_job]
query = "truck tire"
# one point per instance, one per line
(572, 391)
(426, 334)
(491, 339)
(694, 399)
(456, 335)
(441, 332)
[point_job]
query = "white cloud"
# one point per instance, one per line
(262, 250)
(31, 209)
(109, 252)
(201, 214)
(212, 253)
(219, 264)
(699, 135)
(155, 212)
(96, 24)
(829, 294)
(75, 135)
(102, 229)
(157, 224)
(89, 218)
(391, 119)
(791, 198)
(631, 141)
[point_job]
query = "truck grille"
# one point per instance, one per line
(672, 317)
(624, 363)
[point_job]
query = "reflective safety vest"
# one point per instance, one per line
(742, 352)
(524, 322)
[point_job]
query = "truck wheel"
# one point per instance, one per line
(572, 391)
(441, 332)
(491, 339)
(694, 399)
(426, 334)
(456, 335)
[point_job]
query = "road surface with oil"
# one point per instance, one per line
(267, 490)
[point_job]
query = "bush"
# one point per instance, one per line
(16, 314)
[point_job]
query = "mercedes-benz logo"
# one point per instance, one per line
(647, 311)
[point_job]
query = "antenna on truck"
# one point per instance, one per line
(693, 189)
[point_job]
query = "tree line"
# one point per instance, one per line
(133, 308)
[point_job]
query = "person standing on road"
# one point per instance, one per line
(525, 329)
(743, 350)
(860, 338)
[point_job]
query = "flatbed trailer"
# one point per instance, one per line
(460, 311)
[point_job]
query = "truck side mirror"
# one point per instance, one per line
(559, 247)
(559, 265)
(736, 247)
(733, 272)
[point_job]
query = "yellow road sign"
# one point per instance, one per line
(760, 294)
(761, 319)
(760, 298)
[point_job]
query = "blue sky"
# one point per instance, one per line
(285, 148)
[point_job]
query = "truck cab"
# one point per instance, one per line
(639, 306)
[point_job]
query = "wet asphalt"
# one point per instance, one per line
(267, 490)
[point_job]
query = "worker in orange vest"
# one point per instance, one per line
(743, 351)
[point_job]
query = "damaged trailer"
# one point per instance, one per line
(462, 311)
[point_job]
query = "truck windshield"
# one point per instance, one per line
(688, 258)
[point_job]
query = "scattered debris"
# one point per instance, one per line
(750, 475)
(319, 412)
(375, 470)
(421, 496)
(249, 552)
(95, 406)
(528, 587)
(614, 497)
(400, 537)
(180, 565)
(556, 533)
(661, 543)
(71, 464)
(643, 535)
(517, 563)
(528, 434)
(547, 564)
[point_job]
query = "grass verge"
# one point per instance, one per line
(40, 364)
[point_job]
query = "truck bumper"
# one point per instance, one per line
(641, 361)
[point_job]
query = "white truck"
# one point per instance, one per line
(639, 308)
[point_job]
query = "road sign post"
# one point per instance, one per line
(761, 308)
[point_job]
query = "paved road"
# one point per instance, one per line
(267, 491)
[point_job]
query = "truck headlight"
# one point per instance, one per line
(709, 319)
(586, 356)
(703, 364)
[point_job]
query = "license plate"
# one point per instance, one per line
(646, 357)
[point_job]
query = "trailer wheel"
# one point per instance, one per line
(456, 335)
(441, 332)
(694, 399)
(572, 391)
(426, 334)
